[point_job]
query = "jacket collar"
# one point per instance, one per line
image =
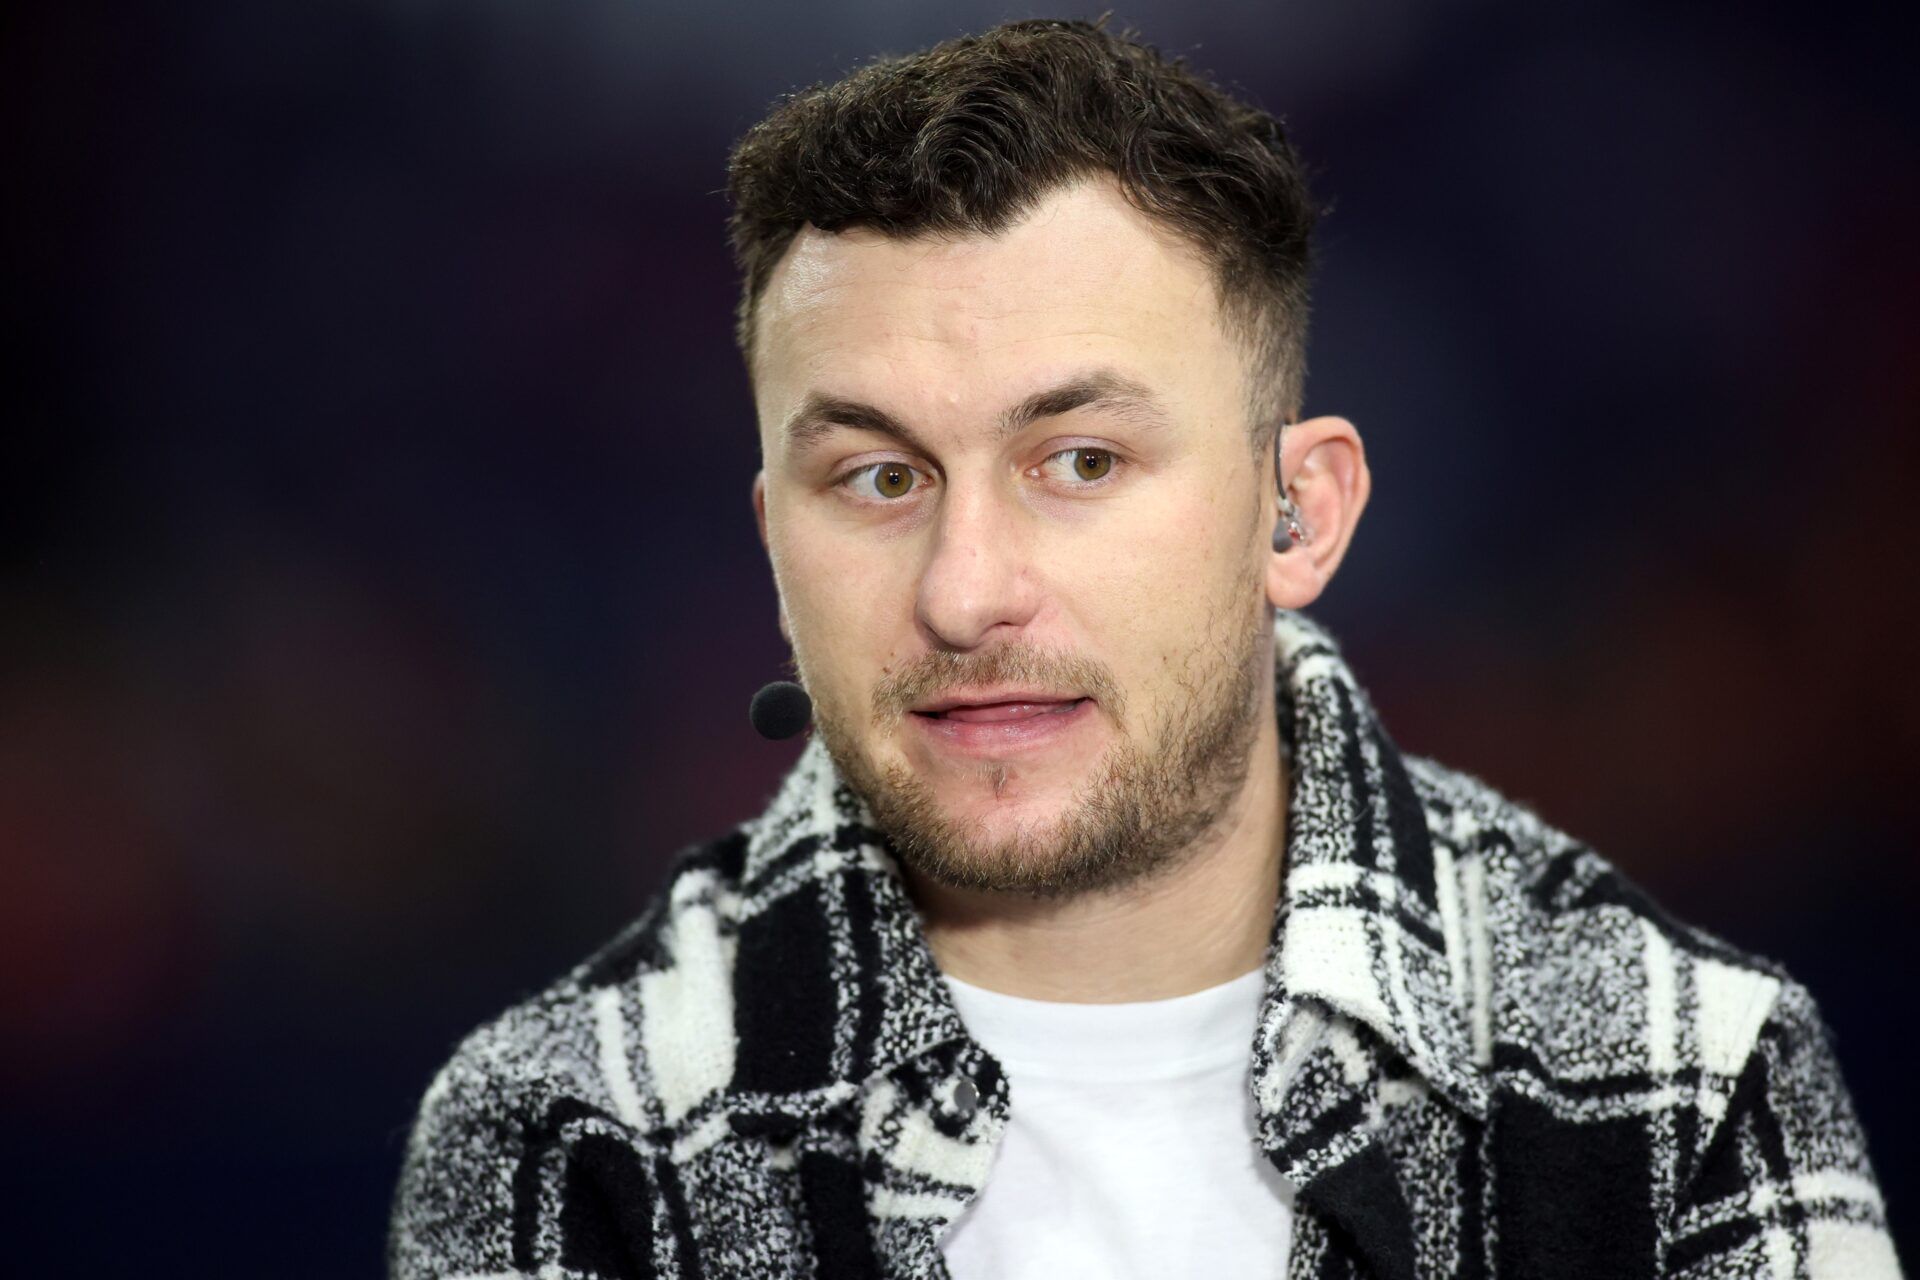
(1358, 933)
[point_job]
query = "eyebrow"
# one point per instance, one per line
(820, 414)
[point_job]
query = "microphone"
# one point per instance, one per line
(780, 710)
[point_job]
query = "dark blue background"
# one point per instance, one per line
(379, 596)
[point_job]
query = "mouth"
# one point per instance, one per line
(992, 708)
(1001, 723)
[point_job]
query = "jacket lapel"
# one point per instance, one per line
(850, 1048)
(1364, 1006)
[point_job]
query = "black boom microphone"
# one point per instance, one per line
(780, 710)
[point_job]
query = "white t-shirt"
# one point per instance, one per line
(1130, 1147)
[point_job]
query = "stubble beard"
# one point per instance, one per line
(1147, 804)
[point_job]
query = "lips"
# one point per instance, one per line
(1018, 700)
(1002, 725)
(996, 712)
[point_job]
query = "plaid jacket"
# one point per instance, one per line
(1482, 1052)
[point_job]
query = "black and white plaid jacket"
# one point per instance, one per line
(1482, 1052)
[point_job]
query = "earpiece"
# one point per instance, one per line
(1291, 531)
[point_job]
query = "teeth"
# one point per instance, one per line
(1002, 712)
(1017, 707)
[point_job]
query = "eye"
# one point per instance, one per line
(1088, 465)
(890, 480)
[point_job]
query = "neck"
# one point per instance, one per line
(1207, 921)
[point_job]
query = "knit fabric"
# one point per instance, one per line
(1482, 1052)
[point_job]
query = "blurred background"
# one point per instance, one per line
(380, 599)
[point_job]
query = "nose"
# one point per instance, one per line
(978, 574)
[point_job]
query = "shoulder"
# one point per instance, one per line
(1588, 974)
(1618, 1037)
(560, 1093)
(569, 1038)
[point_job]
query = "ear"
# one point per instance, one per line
(760, 520)
(1324, 466)
(760, 506)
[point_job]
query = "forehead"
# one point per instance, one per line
(939, 321)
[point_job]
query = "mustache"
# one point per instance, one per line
(935, 673)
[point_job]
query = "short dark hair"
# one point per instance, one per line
(969, 135)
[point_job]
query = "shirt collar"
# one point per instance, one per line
(1358, 934)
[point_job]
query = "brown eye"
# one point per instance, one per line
(1091, 464)
(892, 480)
(886, 478)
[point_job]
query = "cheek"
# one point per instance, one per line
(845, 604)
(1167, 593)
(1171, 566)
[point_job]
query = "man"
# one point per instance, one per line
(1101, 929)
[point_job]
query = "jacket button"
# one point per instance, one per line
(966, 1098)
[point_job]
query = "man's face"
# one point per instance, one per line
(1014, 472)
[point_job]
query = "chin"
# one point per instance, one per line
(994, 783)
(997, 815)
(1018, 806)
